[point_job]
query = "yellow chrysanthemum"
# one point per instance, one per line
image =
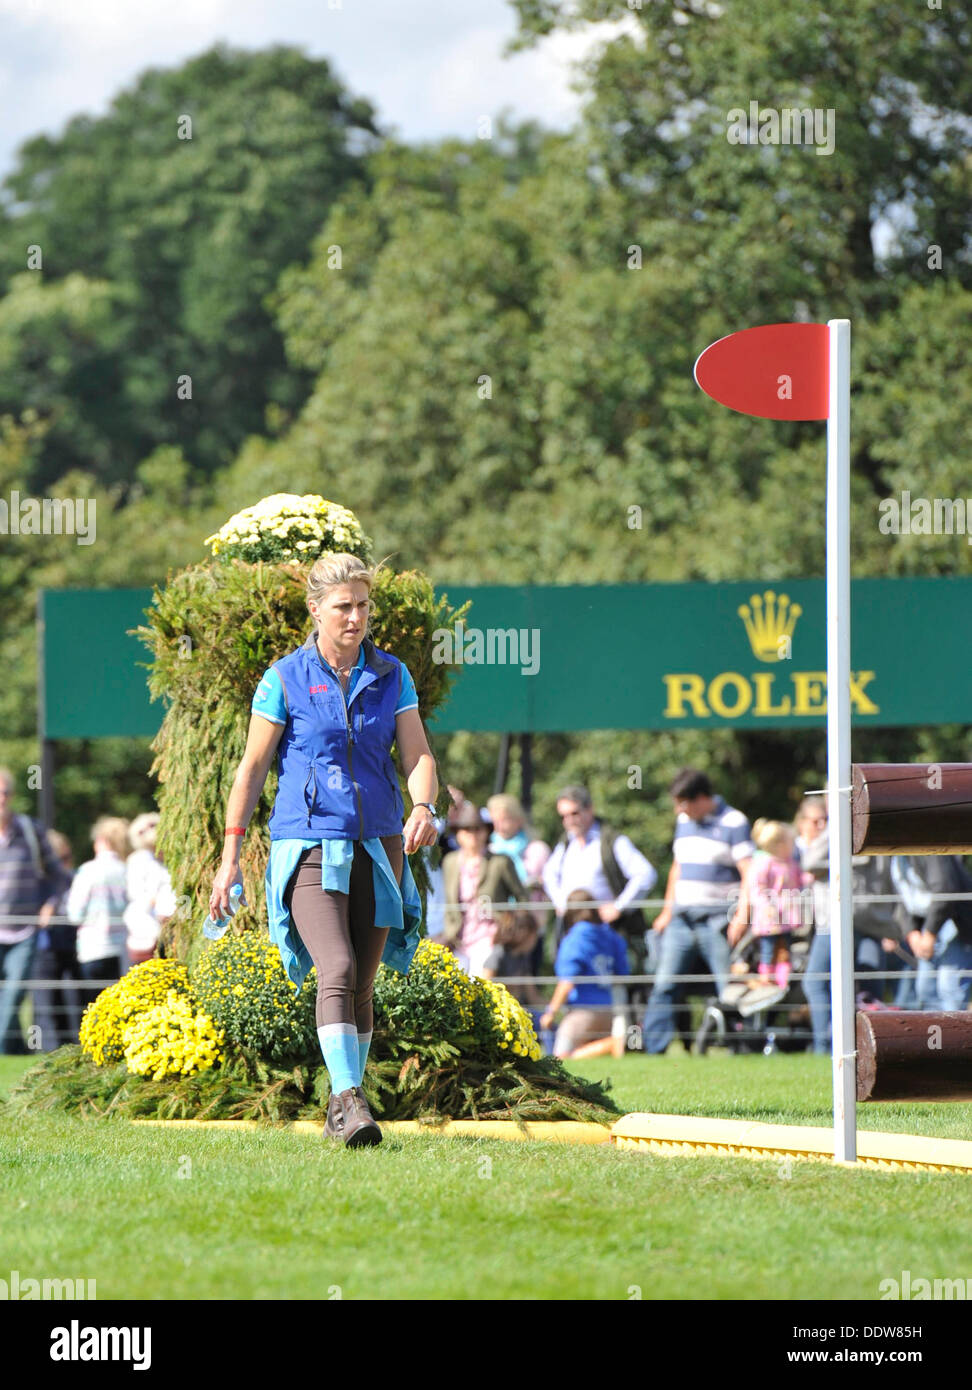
(141, 988)
(171, 1040)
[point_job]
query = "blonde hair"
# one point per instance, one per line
(114, 831)
(331, 570)
(767, 832)
(504, 804)
(328, 571)
(143, 830)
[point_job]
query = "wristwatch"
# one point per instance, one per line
(428, 805)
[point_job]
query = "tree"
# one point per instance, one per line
(899, 86)
(182, 205)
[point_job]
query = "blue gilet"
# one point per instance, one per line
(336, 777)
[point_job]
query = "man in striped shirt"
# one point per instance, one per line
(31, 878)
(706, 891)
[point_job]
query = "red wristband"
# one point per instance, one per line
(234, 830)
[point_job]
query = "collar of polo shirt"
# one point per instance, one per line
(719, 805)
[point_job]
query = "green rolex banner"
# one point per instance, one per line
(747, 654)
(750, 655)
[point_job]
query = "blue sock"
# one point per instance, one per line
(339, 1044)
(364, 1042)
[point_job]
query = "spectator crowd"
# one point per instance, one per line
(72, 931)
(744, 919)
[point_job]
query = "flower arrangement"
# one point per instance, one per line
(240, 981)
(236, 1040)
(286, 527)
(224, 1033)
(171, 1040)
(145, 986)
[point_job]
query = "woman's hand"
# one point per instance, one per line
(546, 1019)
(419, 830)
(219, 903)
(261, 745)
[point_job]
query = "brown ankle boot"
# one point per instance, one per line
(359, 1127)
(334, 1124)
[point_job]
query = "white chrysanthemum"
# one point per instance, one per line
(321, 525)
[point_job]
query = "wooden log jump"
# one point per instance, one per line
(911, 808)
(914, 1056)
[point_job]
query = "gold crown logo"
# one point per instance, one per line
(769, 621)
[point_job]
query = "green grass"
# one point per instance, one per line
(785, 1089)
(269, 1214)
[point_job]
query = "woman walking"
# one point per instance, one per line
(340, 893)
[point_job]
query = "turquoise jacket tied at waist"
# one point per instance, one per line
(399, 909)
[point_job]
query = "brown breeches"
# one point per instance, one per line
(339, 932)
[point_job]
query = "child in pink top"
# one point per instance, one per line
(776, 884)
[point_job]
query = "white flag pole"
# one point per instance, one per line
(838, 743)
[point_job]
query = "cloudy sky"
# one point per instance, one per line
(432, 67)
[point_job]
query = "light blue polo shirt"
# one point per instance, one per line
(270, 703)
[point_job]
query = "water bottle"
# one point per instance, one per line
(214, 930)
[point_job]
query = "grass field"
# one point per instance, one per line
(154, 1214)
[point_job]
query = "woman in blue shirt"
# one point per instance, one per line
(340, 894)
(590, 947)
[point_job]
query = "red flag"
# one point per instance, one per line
(778, 371)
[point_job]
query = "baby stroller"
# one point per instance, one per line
(757, 1015)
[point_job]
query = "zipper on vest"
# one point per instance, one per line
(357, 789)
(312, 772)
(350, 729)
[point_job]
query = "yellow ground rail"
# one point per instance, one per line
(559, 1131)
(677, 1135)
